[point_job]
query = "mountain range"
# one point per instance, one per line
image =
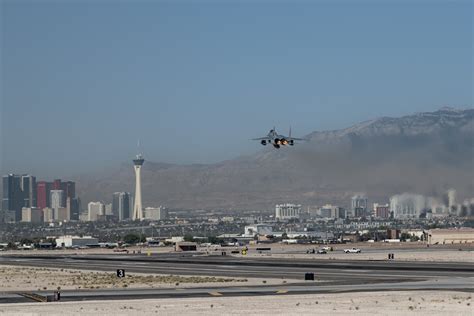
(424, 153)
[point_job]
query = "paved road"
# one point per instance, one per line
(455, 284)
(338, 275)
(261, 268)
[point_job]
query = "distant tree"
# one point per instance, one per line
(188, 237)
(132, 238)
(214, 240)
(26, 241)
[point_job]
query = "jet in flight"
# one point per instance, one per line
(277, 140)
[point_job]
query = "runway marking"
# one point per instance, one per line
(215, 293)
(282, 292)
(34, 297)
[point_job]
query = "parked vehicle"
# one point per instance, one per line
(352, 250)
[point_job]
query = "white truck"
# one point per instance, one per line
(352, 250)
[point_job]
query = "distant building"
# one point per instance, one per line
(341, 212)
(68, 187)
(287, 211)
(331, 211)
(407, 205)
(156, 214)
(359, 206)
(62, 214)
(452, 201)
(32, 215)
(258, 230)
(73, 206)
(327, 211)
(108, 209)
(451, 236)
(76, 241)
(95, 209)
(121, 205)
(48, 215)
(57, 201)
(12, 199)
(43, 194)
(28, 187)
(7, 216)
(381, 210)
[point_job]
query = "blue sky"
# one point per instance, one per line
(195, 80)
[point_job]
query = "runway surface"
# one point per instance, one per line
(335, 276)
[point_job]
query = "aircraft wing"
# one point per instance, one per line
(262, 138)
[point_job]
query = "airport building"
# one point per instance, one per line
(76, 241)
(450, 236)
(287, 211)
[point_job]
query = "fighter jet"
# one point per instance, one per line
(277, 140)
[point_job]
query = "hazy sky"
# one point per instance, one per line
(83, 80)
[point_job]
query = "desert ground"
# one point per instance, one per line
(13, 278)
(367, 303)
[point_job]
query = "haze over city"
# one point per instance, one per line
(83, 81)
(236, 157)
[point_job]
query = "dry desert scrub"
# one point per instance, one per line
(14, 278)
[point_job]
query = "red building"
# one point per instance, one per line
(43, 192)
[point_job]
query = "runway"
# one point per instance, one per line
(333, 276)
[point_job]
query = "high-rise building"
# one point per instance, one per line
(287, 211)
(328, 211)
(359, 206)
(156, 213)
(28, 186)
(56, 201)
(69, 188)
(452, 201)
(121, 205)
(381, 210)
(340, 212)
(32, 215)
(407, 205)
(48, 215)
(62, 214)
(13, 198)
(95, 209)
(138, 208)
(43, 194)
(73, 205)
